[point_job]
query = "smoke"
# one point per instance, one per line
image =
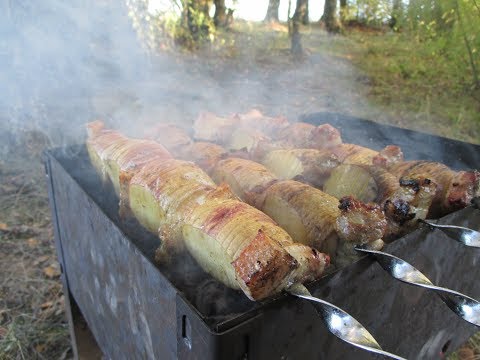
(67, 62)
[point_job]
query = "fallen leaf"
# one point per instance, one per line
(41, 259)
(59, 311)
(3, 226)
(466, 353)
(40, 348)
(46, 304)
(32, 242)
(51, 271)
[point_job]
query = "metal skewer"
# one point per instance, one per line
(461, 234)
(462, 305)
(341, 324)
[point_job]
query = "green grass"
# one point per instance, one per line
(413, 83)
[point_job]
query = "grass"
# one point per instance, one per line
(412, 83)
(32, 319)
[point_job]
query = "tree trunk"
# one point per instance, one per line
(297, 19)
(191, 20)
(301, 11)
(332, 25)
(476, 78)
(344, 10)
(272, 11)
(220, 16)
(297, 48)
(305, 19)
(397, 14)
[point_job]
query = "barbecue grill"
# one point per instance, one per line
(136, 308)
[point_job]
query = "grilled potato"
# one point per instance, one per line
(307, 165)
(352, 180)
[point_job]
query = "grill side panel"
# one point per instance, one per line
(129, 306)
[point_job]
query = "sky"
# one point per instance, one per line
(252, 10)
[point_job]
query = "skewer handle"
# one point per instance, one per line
(464, 306)
(461, 234)
(341, 324)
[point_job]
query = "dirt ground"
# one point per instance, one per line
(32, 320)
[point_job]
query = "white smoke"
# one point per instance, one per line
(67, 62)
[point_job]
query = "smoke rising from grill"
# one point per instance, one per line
(66, 63)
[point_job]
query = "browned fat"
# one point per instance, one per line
(156, 174)
(325, 135)
(224, 214)
(106, 140)
(298, 133)
(139, 152)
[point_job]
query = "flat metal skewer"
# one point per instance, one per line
(341, 324)
(462, 305)
(461, 234)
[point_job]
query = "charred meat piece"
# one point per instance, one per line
(455, 189)
(408, 203)
(360, 222)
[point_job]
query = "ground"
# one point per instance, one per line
(336, 74)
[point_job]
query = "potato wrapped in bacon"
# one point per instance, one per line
(117, 158)
(234, 242)
(204, 154)
(308, 214)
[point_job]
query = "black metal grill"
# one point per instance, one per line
(138, 309)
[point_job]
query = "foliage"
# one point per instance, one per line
(449, 29)
(186, 23)
(410, 85)
(372, 12)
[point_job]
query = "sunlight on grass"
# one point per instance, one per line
(412, 83)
